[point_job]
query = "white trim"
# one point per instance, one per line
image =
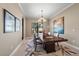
(21, 8)
(63, 9)
(71, 45)
(16, 49)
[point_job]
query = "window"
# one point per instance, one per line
(11, 23)
(18, 24)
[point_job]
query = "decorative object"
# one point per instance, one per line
(34, 27)
(18, 24)
(41, 19)
(9, 22)
(58, 26)
(37, 27)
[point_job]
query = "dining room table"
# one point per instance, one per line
(54, 40)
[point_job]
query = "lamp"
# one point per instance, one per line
(42, 19)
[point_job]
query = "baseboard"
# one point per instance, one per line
(71, 45)
(16, 49)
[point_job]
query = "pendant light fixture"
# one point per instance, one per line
(42, 19)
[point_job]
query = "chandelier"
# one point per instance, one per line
(42, 19)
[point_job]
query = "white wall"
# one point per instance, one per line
(71, 24)
(9, 41)
(29, 26)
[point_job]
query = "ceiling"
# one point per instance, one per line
(33, 10)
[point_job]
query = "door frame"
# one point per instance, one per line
(22, 28)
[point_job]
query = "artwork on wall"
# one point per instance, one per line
(37, 27)
(18, 24)
(34, 27)
(58, 25)
(11, 23)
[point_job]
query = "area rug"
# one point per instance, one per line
(59, 52)
(41, 52)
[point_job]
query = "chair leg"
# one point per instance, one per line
(58, 45)
(35, 47)
(62, 50)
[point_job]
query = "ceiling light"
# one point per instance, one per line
(42, 19)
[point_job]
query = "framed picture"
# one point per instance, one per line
(34, 28)
(59, 25)
(37, 27)
(9, 22)
(18, 24)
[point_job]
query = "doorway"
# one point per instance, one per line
(22, 28)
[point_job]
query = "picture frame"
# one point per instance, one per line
(58, 25)
(18, 24)
(9, 22)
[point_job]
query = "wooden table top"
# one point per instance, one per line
(55, 39)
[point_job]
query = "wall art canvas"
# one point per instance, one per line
(58, 25)
(9, 22)
(18, 24)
